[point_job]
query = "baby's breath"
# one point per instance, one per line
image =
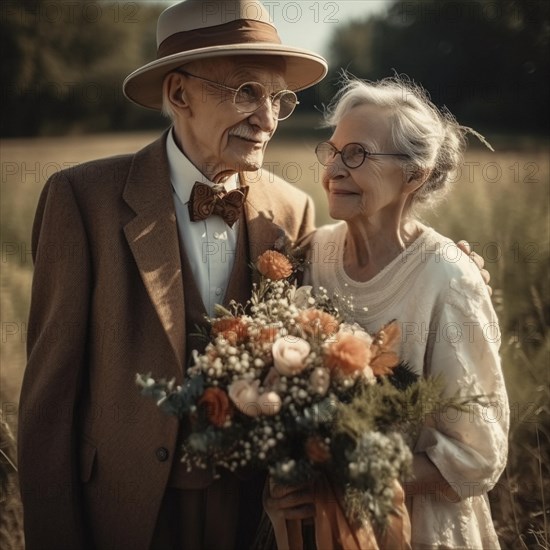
(284, 407)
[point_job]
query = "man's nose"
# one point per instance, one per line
(264, 117)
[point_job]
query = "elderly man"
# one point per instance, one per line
(137, 264)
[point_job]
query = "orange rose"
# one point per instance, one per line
(349, 355)
(274, 265)
(233, 329)
(316, 322)
(317, 450)
(217, 405)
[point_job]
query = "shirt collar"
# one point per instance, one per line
(184, 174)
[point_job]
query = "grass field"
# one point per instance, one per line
(500, 204)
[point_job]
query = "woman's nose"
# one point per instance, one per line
(335, 168)
(333, 171)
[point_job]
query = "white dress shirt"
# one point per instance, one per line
(210, 244)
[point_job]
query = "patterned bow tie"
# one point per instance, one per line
(206, 201)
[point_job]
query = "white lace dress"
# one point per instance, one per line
(449, 328)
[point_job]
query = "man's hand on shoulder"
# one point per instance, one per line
(478, 260)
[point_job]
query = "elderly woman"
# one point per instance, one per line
(392, 151)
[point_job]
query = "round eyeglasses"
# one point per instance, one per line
(353, 154)
(250, 96)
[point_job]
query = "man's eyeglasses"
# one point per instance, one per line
(250, 96)
(353, 154)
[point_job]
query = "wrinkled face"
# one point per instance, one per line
(377, 187)
(215, 135)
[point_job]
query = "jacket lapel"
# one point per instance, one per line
(262, 231)
(153, 238)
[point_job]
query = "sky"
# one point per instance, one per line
(311, 23)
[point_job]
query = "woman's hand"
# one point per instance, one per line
(427, 479)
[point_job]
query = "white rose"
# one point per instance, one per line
(270, 403)
(245, 396)
(320, 380)
(289, 355)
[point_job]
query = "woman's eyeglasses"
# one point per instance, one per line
(353, 154)
(250, 96)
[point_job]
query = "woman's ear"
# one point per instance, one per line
(415, 176)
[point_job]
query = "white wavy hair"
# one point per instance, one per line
(432, 138)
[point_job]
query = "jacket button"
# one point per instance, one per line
(162, 454)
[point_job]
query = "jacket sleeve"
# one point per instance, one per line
(56, 346)
(469, 447)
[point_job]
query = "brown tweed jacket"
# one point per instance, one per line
(108, 301)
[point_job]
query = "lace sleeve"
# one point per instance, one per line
(468, 447)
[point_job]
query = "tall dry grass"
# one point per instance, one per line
(500, 204)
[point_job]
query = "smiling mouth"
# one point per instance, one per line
(341, 192)
(253, 141)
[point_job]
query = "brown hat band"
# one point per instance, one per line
(235, 32)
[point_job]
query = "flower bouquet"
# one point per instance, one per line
(286, 384)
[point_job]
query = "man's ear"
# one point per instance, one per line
(175, 93)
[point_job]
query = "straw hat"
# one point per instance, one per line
(201, 29)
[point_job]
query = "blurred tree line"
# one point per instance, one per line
(63, 63)
(486, 60)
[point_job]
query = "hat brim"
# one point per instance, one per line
(144, 85)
